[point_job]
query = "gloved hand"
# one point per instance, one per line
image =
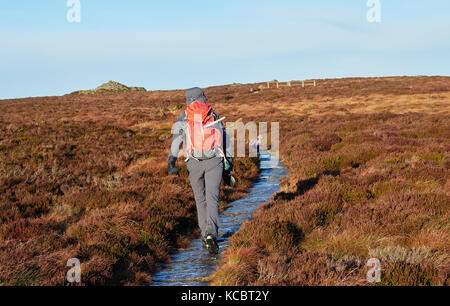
(172, 169)
(230, 165)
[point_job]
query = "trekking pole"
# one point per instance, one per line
(212, 123)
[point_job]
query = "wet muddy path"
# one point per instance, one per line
(190, 266)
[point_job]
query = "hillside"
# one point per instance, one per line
(369, 178)
(85, 176)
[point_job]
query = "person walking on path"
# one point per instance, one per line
(209, 159)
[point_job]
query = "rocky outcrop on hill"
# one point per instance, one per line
(109, 87)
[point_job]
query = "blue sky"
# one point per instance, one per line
(180, 44)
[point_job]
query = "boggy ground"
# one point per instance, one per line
(85, 177)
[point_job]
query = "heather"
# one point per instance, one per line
(362, 184)
(86, 177)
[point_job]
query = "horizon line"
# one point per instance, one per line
(239, 83)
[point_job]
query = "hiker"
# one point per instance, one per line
(209, 159)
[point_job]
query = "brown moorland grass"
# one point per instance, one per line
(369, 177)
(85, 177)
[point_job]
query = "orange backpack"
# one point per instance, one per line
(203, 137)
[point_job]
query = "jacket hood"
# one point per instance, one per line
(195, 94)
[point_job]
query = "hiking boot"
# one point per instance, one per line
(211, 245)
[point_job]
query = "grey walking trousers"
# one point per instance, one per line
(205, 177)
